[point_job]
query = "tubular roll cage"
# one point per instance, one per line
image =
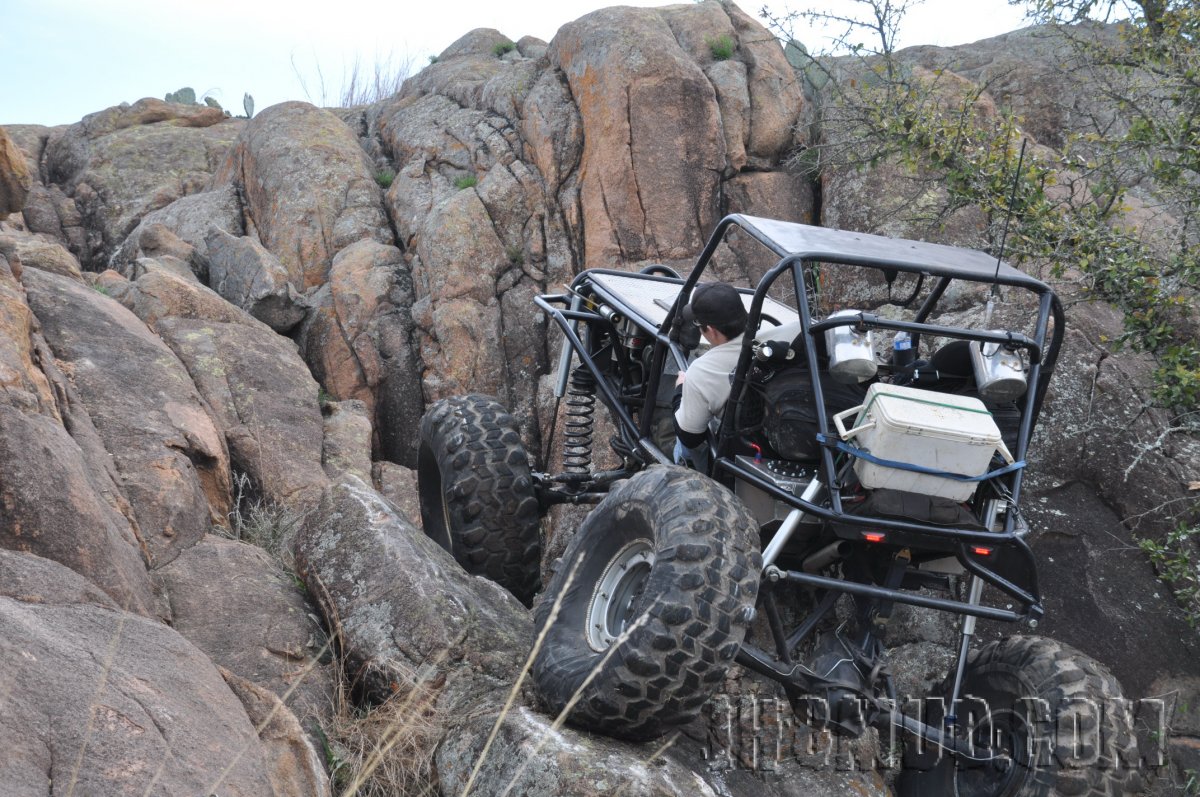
(801, 250)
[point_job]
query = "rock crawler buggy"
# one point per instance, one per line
(843, 479)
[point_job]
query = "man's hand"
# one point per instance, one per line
(679, 379)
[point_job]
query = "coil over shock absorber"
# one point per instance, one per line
(581, 417)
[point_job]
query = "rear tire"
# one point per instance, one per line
(672, 547)
(477, 494)
(1059, 714)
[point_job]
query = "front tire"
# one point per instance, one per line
(676, 551)
(477, 494)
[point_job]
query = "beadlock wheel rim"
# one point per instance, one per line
(623, 581)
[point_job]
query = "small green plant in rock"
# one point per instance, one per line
(721, 47)
(515, 255)
(503, 47)
(466, 181)
(385, 177)
(1177, 564)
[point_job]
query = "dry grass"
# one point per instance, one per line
(260, 522)
(361, 84)
(385, 750)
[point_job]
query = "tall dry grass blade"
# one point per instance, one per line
(392, 734)
(516, 688)
(561, 719)
(100, 687)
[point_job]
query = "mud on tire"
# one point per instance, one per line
(1059, 713)
(680, 550)
(477, 494)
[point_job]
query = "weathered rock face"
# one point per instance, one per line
(190, 219)
(51, 212)
(403, 611)
(309, 189)
(171, 460)
(347, 447)
(235, 603)
(250, 277)
(649, 176)
(624, 68)
(261, 396)
(480, 238)
(15, 178)
(37, 252)
(1094, 577)
(398, 485)
(121, 163)
(53, 506)
(529, 757)
(357, 340)
(1036, 73)
(57, 498)
(160, 291)
(293, 764)
(33, 579)
(263, 400)
(1099, 425)
(131, 704)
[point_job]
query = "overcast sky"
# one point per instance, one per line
(62, 59)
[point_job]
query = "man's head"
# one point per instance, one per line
(717, 305)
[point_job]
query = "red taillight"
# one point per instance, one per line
(981, 551)
(874, 536)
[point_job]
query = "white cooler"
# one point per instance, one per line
(955, 434)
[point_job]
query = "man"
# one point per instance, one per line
(701, 391)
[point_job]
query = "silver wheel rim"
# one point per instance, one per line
(611, 606)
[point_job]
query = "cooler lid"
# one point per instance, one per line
(910, 410)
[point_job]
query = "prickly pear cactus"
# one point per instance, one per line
(185, 96)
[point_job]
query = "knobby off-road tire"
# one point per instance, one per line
(477, 494)
(676, 548)
(1071, 706)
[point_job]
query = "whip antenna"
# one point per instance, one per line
(1012, 199)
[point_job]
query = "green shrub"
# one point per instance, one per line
(1177, 564)
(466, 181)
(503, 47)
(385, 177)
(721, 47)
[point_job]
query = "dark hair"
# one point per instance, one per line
(717, 305)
